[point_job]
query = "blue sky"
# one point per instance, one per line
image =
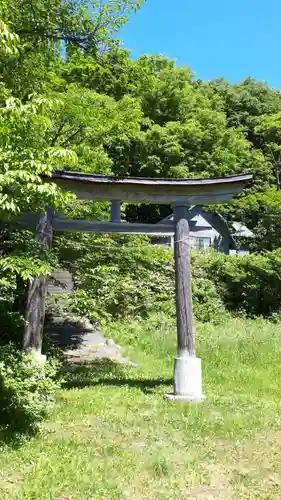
(229, 38)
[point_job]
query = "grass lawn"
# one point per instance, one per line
(113, 435)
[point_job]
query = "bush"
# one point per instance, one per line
(128, 277)
(207, 304)
(26, 391)
(121, 279)
(250, 284)
(132, 278)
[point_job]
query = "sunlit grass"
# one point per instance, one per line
(114, 436)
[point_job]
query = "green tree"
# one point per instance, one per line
(50, 30)
(268, 131)
(245, 101)
(24, 157)
(86, 121)
(88, 25)
(261, 212)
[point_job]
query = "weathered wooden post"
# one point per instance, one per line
(187, 367)
(37, 291)
(115, 211)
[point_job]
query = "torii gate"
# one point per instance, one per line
(179, 193)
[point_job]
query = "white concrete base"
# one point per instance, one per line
(187, 380)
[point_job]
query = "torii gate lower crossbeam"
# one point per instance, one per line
(179, 193)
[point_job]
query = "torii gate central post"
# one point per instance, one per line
(179, 193)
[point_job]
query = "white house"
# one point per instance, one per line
(210, 230)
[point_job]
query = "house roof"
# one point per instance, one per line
(241, 230)
(234, 229)
(200, 221)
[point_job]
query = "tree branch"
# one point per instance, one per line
(58, 132)
(73, 135)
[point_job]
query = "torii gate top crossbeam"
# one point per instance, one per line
(148, 190)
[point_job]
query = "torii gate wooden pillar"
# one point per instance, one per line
(179, 193)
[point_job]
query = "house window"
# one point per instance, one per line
(200, 243)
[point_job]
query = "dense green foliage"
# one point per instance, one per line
(26, 391)
(248, 285)
(118, 278)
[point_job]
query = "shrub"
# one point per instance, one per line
(26, 391)
(251, 284)
(118, 278)
(207, 303)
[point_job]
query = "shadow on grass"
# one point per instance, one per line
(107, 373)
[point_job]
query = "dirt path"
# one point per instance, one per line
(82, 342)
